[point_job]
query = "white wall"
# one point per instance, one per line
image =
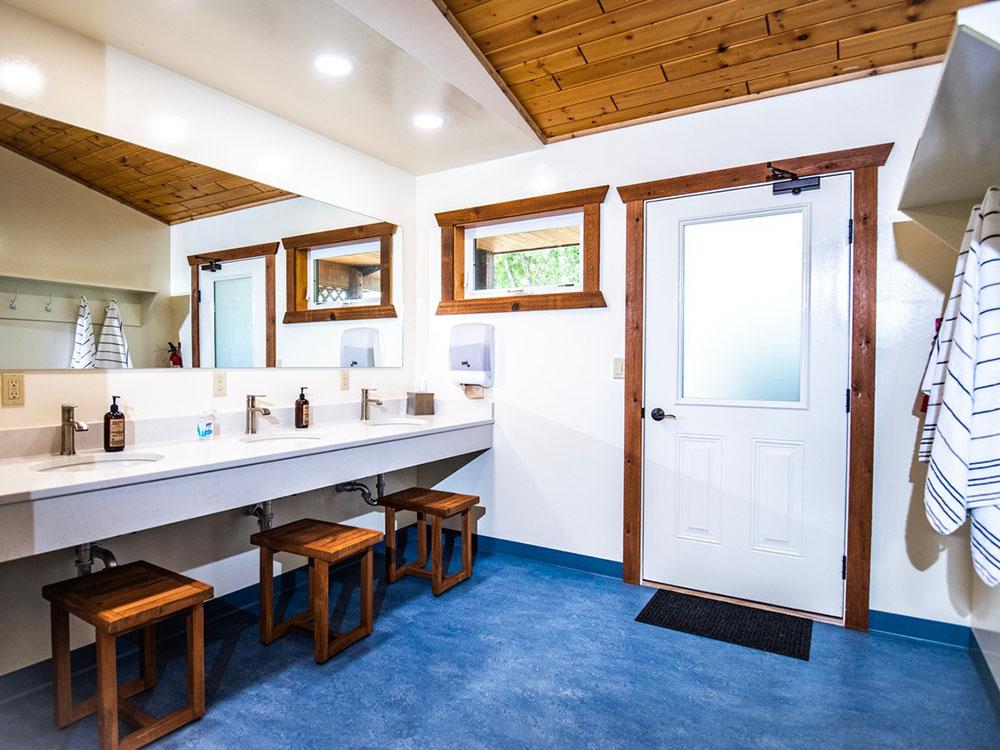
(554, 476)
(298, 344)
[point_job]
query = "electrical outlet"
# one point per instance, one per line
(619, 368)
(219, 383)
(345, 379)
(13, 388)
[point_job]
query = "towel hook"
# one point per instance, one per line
(13, 300)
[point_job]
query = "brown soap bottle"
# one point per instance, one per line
(302, 410)
(114, 428)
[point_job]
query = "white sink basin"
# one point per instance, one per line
(93, 462)
(396, 422)
(266, 437)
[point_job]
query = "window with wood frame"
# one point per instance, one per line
(339, 274)
(533, 254)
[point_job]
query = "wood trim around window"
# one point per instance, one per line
(297, 272)
(267, 251)
(864, 164)
(453, 224)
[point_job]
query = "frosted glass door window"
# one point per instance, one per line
(743, 284)
(234, 322)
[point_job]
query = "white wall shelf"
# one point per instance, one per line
(958, 155)
(26, 299)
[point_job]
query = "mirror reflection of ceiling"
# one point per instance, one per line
(263, 52)
(167, 188)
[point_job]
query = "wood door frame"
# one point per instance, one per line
(267, 251)
(864, 164)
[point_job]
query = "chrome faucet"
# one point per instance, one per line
(366, 403)
(253, 411)
(69, 428)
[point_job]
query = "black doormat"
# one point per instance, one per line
(745, 626)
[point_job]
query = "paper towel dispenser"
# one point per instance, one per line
(471, 354)
(357, 347)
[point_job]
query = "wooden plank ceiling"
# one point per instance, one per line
(167, 188)
(582, 65)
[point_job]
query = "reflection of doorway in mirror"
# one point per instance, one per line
(233, 325)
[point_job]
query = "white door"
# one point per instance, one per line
(233, 326)
(747, 358)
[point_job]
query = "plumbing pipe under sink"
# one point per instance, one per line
(366, 494)
(85, 554)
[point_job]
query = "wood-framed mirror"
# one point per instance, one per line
(339, 274)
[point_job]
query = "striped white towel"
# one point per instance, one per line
(112, 346)
(84, 348)
(962, 429)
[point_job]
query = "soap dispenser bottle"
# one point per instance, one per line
(114, 428)
(302, 410)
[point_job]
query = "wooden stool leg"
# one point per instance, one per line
(467, 542)
(390, 545)
(266, 595)
(62, 690)
(147, 657)
(421, 540)
(196, 659)
(437, 565)
(107, 692)
(319, 596)
(367, 583)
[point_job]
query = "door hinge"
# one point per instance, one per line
(847, 400)
(642, 412)
(850, 231)
(199, 295)
(843, 568)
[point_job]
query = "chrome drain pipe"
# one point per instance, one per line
(85, 554)
(366, 494)
(263, 513)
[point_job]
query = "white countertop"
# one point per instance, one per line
(19, 482)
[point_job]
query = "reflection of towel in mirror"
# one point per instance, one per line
(112, 348)
(84, 349)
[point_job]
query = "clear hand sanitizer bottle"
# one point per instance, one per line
(206, 426)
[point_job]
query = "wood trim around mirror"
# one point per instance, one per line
(453, 224)
(267, 251)
(296, 274)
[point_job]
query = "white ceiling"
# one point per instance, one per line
(261, 52)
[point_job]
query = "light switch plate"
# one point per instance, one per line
(619, 368)
(219, 383)
(13, 389)
(345, 380)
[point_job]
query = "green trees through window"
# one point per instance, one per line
(525, 269)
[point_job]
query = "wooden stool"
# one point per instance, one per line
(438, 505)
(324, 544)
(118, 601)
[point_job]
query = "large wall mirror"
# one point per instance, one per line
(114, 255)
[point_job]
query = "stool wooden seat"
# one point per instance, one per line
(324, 543)
(117, 601)
(438, 505)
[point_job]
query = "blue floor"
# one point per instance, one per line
(528, 655)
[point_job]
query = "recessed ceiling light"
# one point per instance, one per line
(20, 77)
(334, 65)
(428, 121)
